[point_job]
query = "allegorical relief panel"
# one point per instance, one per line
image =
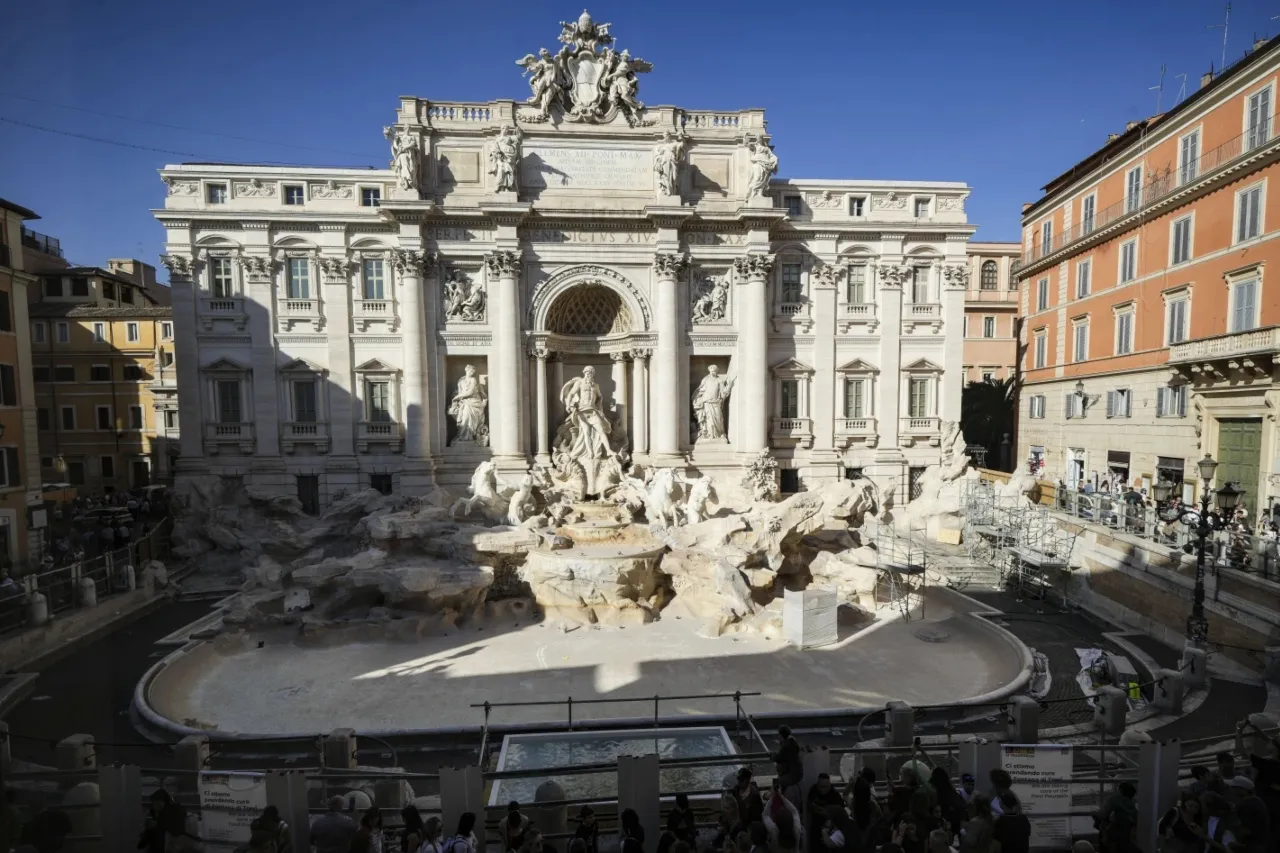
(557, 167)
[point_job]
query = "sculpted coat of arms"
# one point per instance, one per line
(587, 80)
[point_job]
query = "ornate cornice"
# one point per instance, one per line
(669, 265)
(502, 264)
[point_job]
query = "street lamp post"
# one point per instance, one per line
(1197, 622)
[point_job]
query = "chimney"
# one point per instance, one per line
(1206, 78)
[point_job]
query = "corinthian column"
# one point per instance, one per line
(666, 358)
(411, 269)
(752, 385)
(503, 270)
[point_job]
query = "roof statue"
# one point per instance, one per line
(587, 80)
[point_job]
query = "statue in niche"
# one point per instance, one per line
(708, 403)
(470, 400)
(504, 158)
(464, 299)
(584, 413)
(764, 165)
(668, 157)
(711, 301)
(404, 157)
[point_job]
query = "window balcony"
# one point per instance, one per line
(911, 430)
(292, 312)
(235, 435)
(371, 434)
(293, 433)
(366, 312)
(799, 430)
(229, 308)
(849, 430)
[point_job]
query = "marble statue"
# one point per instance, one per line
(708, 403)
(522, 506)
(467, 408)
(584, 412)
(660, 504)
(761, 477)
(404, 158)
(668, 157)
(711, 300)
(695, 505)
(464, 299)
(547, 81)
(764, 165)
(504, 159)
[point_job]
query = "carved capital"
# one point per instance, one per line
(666, 265)
(828, 275)
(257, 266)
(641, 353)
(408, 262)
(179, 266)
(956, 276)
(893, 275)
(502, 264)
(335, 269)
(753, 266)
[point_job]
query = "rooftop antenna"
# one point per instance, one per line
(1182, 90)
(1226, 24)
(1158, 89)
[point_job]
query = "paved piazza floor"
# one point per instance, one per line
(289, 687)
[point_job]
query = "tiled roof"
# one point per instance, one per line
(73, 311)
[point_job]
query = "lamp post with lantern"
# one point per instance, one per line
(1227, 499)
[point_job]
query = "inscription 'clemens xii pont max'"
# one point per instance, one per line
(586, 168)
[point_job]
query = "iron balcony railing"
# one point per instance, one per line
(1163, 184)
(41, 242)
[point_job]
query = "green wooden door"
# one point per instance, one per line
(1240, 455)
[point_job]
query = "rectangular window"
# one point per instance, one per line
(856, 287)
(1188, 157)
(79, 286)
(854, 399)
(216, 193)
(795, 206)
(918, 398)
(298, 275)
(1037, 406)
(857, 204)
(1128, 261)
(922, 208)
(170, 419)
(68, 417)
(42, 418)
(988, 327)
(1042, 294)
(12, 474)
(1176, 321)
(1083, 271)
(1259, 118)
(99, 333)
(6, 313)
(370, 197)
(39, 331)
(64, 373)
(789, 391)
(1181, 240)
(228, 391)
(132, 372)
(374, 282)
(1248, 214)
(1124, 332)
(102, 417)
(304, 401)
(1088, 208)
(1042, 349)
(220, 277)
(99, 373)
(792, 289)
(8, 385)
(1046, 238)
(166, 330)
(108, 467)
(920, 285)
(379, 396)
(1133, 190)
(1080, 350)
(136, 418)
(1244, 305)
(75, 473)
(294, 195)
(53, 287)
(64, 332)
(131, 333)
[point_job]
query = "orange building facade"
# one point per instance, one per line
(991, 312)
(1150, 301)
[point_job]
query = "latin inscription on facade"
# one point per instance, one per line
(586, 168)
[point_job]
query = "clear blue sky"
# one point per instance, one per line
(1001, 95)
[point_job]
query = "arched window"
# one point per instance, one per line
(990, 275)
